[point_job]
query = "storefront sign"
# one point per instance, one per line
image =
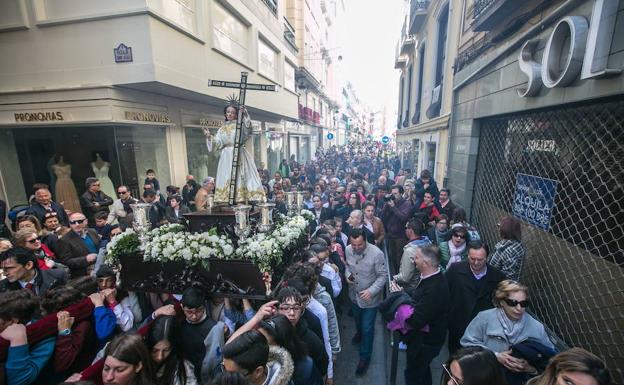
(574, 48)
(123, 53)
(156, 117)
(210, 123)
(38, 116)
(534, 199)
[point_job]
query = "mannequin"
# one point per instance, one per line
(100, 170)
(66, 193)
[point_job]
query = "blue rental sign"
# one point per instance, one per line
(385, 140)
(330, 136)
(534, 199)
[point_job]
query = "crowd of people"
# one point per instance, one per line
(383, 240)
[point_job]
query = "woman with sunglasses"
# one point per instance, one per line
(473, 365)
(29, 240)
(505, 325)
(48, 238)
(454, 250)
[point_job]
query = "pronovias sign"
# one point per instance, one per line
(574, 47)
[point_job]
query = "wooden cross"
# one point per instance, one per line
(242, 86)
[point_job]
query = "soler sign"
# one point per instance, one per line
(574, 47)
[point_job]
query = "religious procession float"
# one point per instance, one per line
(226, 248)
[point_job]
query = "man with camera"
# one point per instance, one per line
(395, 214)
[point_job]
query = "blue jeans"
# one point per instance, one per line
(365, 326)
(418, 359)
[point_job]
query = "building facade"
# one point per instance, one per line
(316, 28)
(537, 132)
(128, 81)
(425, 55)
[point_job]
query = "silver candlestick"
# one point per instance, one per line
(266, 217)
(242, 228)
(140, 220)
(291, 202)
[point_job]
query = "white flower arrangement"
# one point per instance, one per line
(267, 249)
(122, 243)
(170, 243)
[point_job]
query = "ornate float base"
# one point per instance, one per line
(231, 278)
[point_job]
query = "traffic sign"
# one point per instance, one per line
(385, 140)
(330, 136)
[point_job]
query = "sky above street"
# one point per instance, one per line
(372, 30)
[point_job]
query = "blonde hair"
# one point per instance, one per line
(21, 235)
(507, 287)
(574, 360)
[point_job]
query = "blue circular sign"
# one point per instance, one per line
(330, 136)
(385, 140)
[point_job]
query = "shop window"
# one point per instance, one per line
(201, 163)
(276, 150)
(129, 152)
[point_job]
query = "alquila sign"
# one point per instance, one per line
(574, 47)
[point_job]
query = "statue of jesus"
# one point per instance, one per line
(248, 186)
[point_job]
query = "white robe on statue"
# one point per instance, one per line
(249, 186)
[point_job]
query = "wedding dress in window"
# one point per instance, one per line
(106, 184)
(66, 193)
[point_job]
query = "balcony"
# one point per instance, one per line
(487, 14)
(400, 59)
(308, 115)
(418, 15)
(407, 44)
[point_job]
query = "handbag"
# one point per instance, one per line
(537, 354)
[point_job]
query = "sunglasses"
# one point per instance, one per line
(459, 236)
(455, 380)
(514, 303)
(34, 240)
(77, 221)
(121, 192)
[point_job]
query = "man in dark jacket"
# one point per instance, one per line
(22, 272)
(156, 213)
(395, 214)
(43, 204)
(425, 184)
(471, 284)
(428, 322)
(78, 248)
(94, 200)
(445, 205)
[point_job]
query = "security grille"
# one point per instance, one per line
(575, 267)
